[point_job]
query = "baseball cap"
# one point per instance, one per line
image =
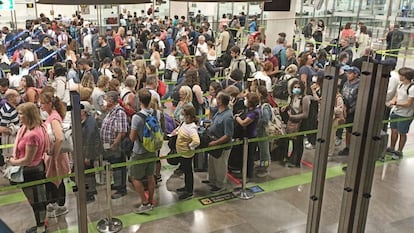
(353, 69)
(85, 105)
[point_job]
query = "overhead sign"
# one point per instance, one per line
(7, 5)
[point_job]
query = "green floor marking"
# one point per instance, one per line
(194, 204)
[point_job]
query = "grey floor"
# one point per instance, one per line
(391, 208)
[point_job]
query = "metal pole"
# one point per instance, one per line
(322, 148)
(79, 162)
(365, 139)
(109, 224)
(245, 194)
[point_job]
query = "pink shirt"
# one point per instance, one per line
(54, 115)
(35, 137)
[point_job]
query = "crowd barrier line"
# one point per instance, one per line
(203, 150)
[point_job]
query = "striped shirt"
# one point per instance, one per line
(115, 122)
(8, 115)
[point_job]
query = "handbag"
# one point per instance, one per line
(205, 139)
(168, 74)
(292, 127)
(14, 173)
(67, 143)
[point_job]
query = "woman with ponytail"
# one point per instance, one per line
(57, 164)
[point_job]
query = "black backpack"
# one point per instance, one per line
(280, 88)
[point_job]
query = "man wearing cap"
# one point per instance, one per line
(91, 146)
(350, 94)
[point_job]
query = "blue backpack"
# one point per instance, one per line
(152, 136)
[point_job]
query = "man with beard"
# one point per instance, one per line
(103, 49)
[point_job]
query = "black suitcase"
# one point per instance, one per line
(235, 163)
(200, 162)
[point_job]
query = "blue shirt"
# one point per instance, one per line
(222, 124)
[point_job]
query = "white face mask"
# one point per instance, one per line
(314, 79)
(104, 103)
(245, 102)
(307, 49)
(44, 115)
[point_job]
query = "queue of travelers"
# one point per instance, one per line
(121, 78)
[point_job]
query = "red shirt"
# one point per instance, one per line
(118, 44)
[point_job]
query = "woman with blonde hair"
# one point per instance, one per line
(32, 142)
(57, 164)
(186, 96)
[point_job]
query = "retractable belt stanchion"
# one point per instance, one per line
(109, 224)
(245, 194)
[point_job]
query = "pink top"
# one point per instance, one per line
(35, 137)
(346, 33)
(54, 115)
(56, 165)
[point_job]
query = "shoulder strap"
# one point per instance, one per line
(127, 93)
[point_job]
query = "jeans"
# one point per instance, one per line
(169, 91)
(120, 173)
(56, 193)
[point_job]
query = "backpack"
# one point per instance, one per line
(248, 70)
(152, 137)
(128, 110)
(408, 89)
(307, 30)
(170, 123)
(274, 125)
(280, 88)
(2, 74)
(111, 42)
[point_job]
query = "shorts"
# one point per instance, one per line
(349, 119)
(402, 126)
(140, 171)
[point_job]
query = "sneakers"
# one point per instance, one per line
(143, 208)
(158, 179)
(185, 196)
(344, 152)
(338, 141)
(397, 155)
(37, 229)
(53, 210)
(216, 189)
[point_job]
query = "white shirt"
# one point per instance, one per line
(87, 43)
(28, 56)
(171, 62)
(263, 76)
(15, 80)
(392, 85)
(201, 48)
(402, 97)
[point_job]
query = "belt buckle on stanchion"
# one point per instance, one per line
(109, 224)
(245, 193)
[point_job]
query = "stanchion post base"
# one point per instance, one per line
(246, 194)
(109, 226)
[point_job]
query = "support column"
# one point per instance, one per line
(280, 21)
(178, 8)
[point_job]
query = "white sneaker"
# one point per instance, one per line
(143, 208)
(54, 210)
(61, 210)
(50, 210)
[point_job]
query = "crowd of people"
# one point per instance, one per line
(163, 70)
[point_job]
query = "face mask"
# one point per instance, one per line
(307, 49)
(44, 115)
(314, 79)
(296, 91)
(245, 102)
(104, 103)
